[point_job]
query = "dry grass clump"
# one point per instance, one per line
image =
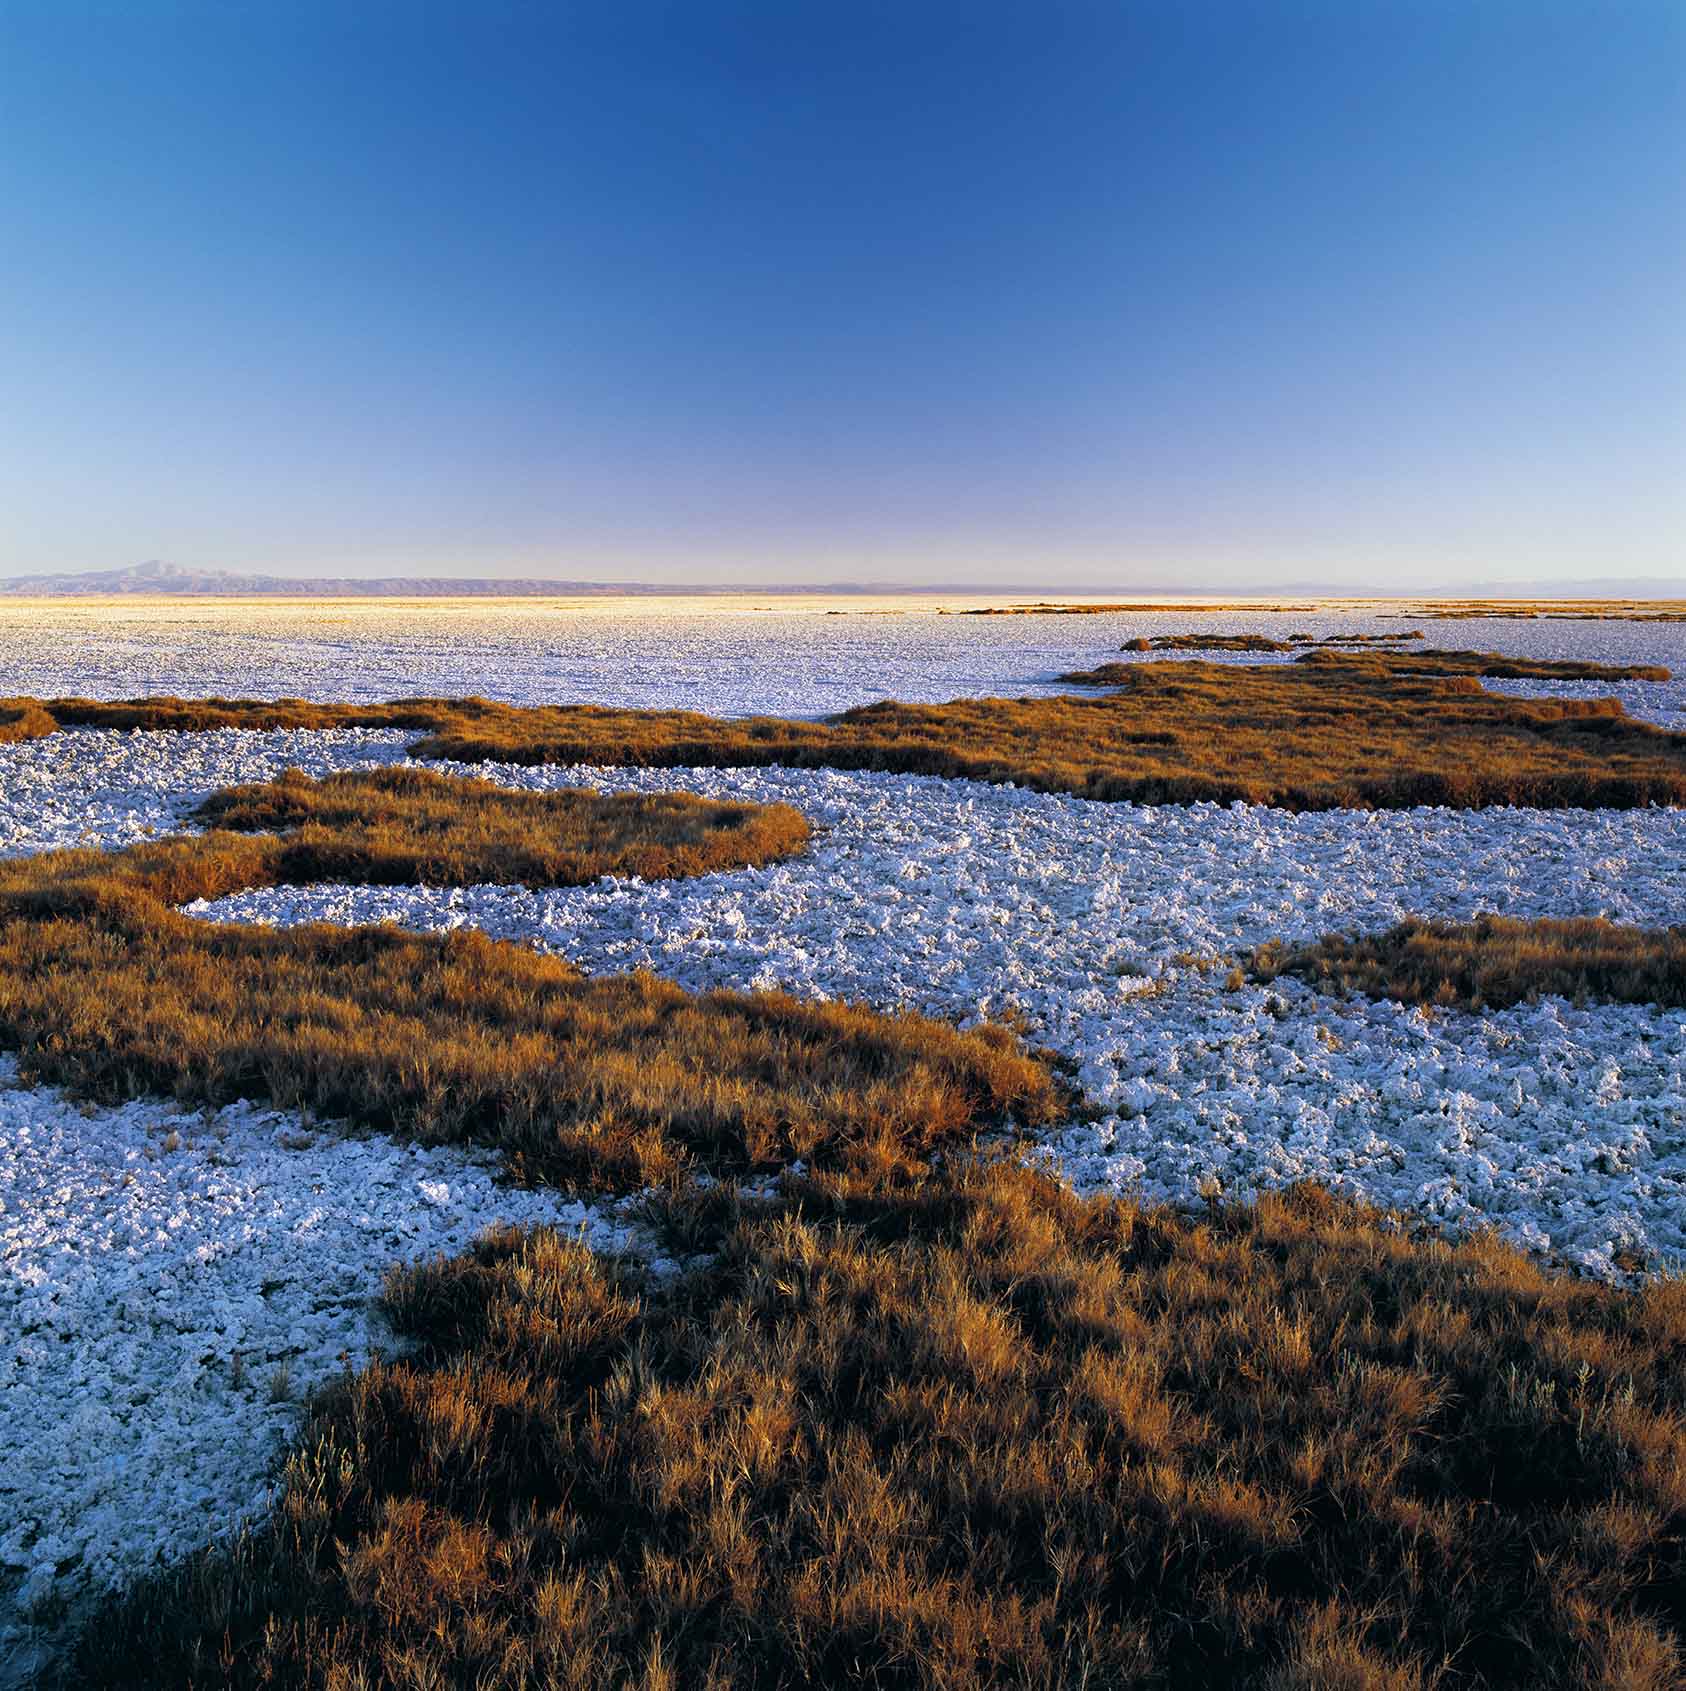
(23, 719)
(608, 1083)
(1207, 643)
(1439, 661)
(1258, 642)
(980, 1433)
(401, 827)
(1493, 962)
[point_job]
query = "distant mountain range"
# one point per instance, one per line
(160, 578)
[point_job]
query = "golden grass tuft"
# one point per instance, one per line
(412, 826)
(1259, 642)
(1208, 643)
(1492, 962)
(609, 1083)
(23, 719)
(980, 1433)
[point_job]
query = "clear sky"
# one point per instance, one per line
(1060, 293)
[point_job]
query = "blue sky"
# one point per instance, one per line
(1375, 292)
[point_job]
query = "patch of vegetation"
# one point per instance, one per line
(1207, 643)
(406, 827)
(1258, 642)
(1434, 661)
(1332, 730)
(978, 1433)
(1046, 608)
(1349, 730)
(23, 719)
(1551, 610)
(166, 712)
(1492, 962)
(609, 1083)
(1438, 661)
(1306, 737)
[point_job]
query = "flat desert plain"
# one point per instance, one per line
(181, 1277)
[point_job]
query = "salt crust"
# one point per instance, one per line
(726, 660)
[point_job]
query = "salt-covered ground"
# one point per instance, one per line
(732, 657)
(134, 1266)
(85, 787)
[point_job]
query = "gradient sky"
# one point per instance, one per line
(1376, 292)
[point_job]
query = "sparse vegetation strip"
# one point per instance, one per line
(1259, 642)
(974, 1433)
(168, 713)
(1550, 610)
(1335, 729)
(1432, 661)
(1439, 661)
(1207, 643)
(1492, 962)
(1047, 608)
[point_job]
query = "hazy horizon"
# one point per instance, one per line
(1379, 297)
(865, 590)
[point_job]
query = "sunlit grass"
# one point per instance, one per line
(410, 826)
(23, 719)
(1343, 666)
(977, 1433)
(1492, 962)
(1260, 642)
